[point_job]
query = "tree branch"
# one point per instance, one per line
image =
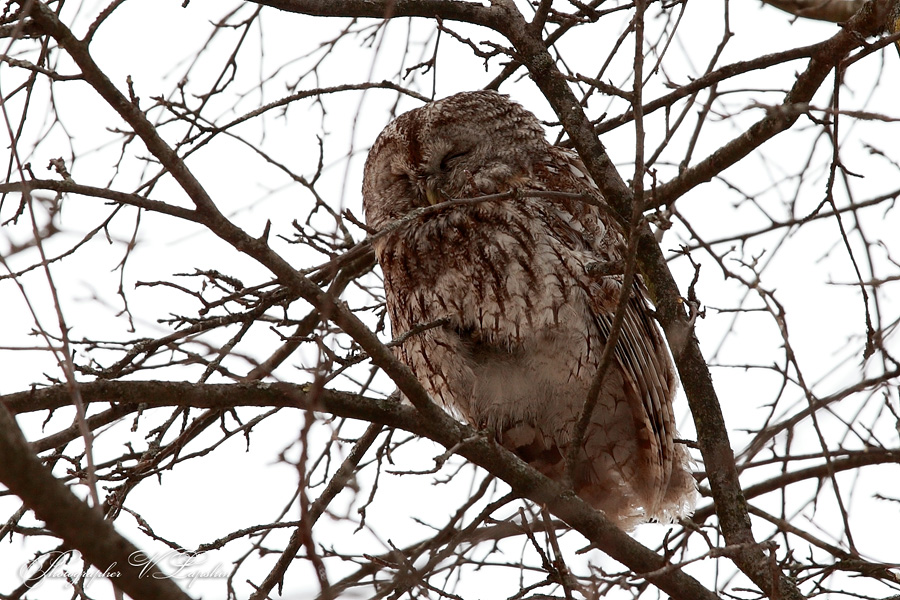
(70, 187)
(712, 434)
(76, 523)
(867, 22)
(453, 10)
(477, 448)
(329, 307)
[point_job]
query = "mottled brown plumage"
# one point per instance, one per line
(527, 316)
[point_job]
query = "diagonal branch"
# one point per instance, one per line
(208, 214)
(77, 524)
(712, 433)
(481, 450)
(868, 22)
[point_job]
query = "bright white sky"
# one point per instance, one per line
(153, 42)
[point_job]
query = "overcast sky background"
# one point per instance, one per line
(153, 42)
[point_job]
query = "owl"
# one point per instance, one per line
(511, 313)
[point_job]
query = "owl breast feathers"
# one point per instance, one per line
(526, 317)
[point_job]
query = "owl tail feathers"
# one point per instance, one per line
(680, 495)
(627, 499)
(627, 509)
(676, 505)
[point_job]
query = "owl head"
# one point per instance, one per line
(463, 146)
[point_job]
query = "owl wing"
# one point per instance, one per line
(640, 354)
(649, 384)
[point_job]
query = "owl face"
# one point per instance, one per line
(467, 145)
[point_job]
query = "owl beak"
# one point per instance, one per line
(433, 196)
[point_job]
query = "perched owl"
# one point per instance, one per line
(525, 316)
